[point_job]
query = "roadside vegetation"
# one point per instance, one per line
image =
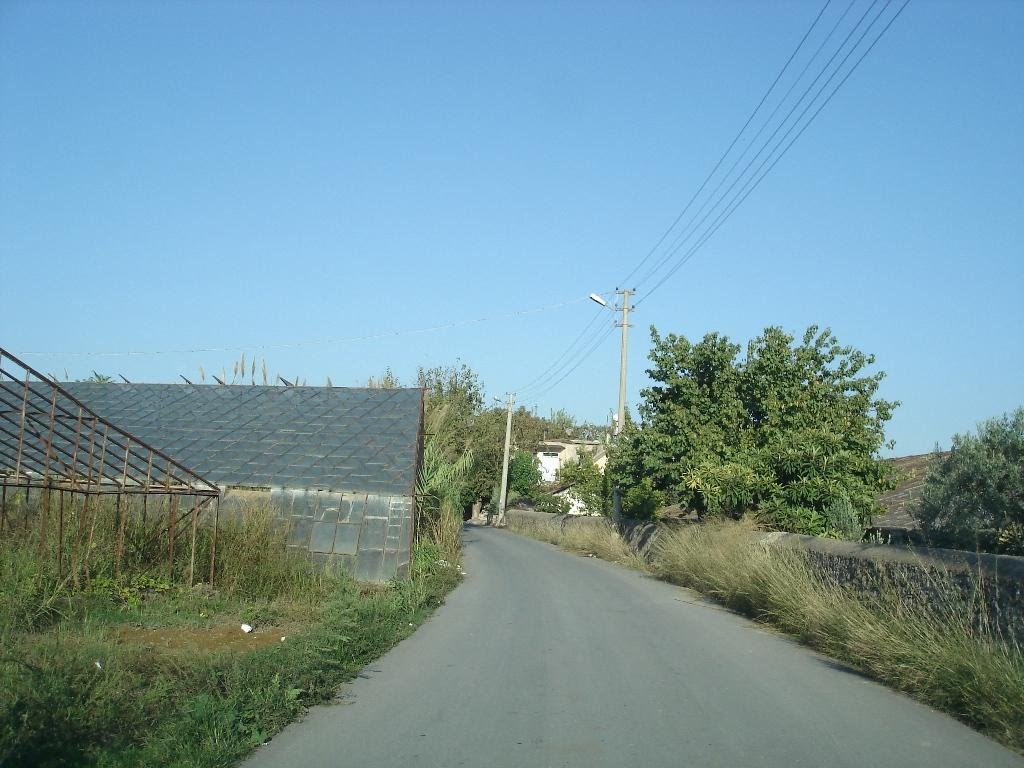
(136, 667)
(790, 432)
(973, 496)
(141, 671)
(931, 646)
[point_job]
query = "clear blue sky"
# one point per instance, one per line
(178, 175)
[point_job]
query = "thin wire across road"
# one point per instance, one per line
(541, 658)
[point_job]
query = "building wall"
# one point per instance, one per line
(566, 451)
(366, 535)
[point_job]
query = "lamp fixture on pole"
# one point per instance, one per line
(625, 293)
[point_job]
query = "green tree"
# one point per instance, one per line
(588, 482)
(787, 430)
(973, 497)
(524, 474)
(458, 392)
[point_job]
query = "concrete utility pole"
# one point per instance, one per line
(504, 463)
(625, 293)
(623, 355)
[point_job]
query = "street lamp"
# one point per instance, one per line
(624, 349)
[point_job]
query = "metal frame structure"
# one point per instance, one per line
(52, 442)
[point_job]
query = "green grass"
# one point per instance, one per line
(931, 647)
(76, 693)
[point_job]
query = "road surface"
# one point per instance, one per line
(543, 658)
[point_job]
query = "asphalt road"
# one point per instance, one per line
(542, 658)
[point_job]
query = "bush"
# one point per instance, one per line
(554, 505)
(589, 484)
(973, 498)
(641, 501)
(524, 475)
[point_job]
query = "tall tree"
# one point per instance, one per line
(791, 430)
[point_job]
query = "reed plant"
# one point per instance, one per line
(439, 486)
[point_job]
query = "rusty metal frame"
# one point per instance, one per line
(51, 441)
(44, 429)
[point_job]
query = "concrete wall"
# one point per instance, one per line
(877, 570)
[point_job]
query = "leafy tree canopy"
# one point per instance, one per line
(524, 474)
(788, 430)
(588, 482)
(973, 497)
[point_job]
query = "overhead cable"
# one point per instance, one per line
(755, 180)
(732, 144)
(320, 342)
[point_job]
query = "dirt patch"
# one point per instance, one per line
(225, 637)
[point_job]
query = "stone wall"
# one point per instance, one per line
(987, 588)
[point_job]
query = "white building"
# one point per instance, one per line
(553, 454)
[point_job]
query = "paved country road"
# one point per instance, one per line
(543, 658)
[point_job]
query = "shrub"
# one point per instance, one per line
(524, 474)
(641, 501)
(548, 502)
(973, 497)
(589, 484)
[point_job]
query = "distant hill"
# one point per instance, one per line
(897, 502)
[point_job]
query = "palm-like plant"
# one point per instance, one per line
(440, 485)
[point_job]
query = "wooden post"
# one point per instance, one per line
(172, 515)
(44, 520)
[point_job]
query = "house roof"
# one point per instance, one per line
(898, 502)
(359, 440)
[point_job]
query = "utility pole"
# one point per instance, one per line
(504, 463)
(623, 355)
(625, 293)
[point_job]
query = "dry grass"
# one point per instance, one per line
(591, 537)
(927, 643)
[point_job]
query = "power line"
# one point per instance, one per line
(731, 145)
(597, 343)
(694, 225)
(577, 357)
(320, 342)
(543, 374)
(754, 181)
(687, 232)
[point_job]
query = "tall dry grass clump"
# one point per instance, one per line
(594, 536)
(254, 561)
(925, 640)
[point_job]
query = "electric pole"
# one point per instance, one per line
(504, 463)
(623, 355)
